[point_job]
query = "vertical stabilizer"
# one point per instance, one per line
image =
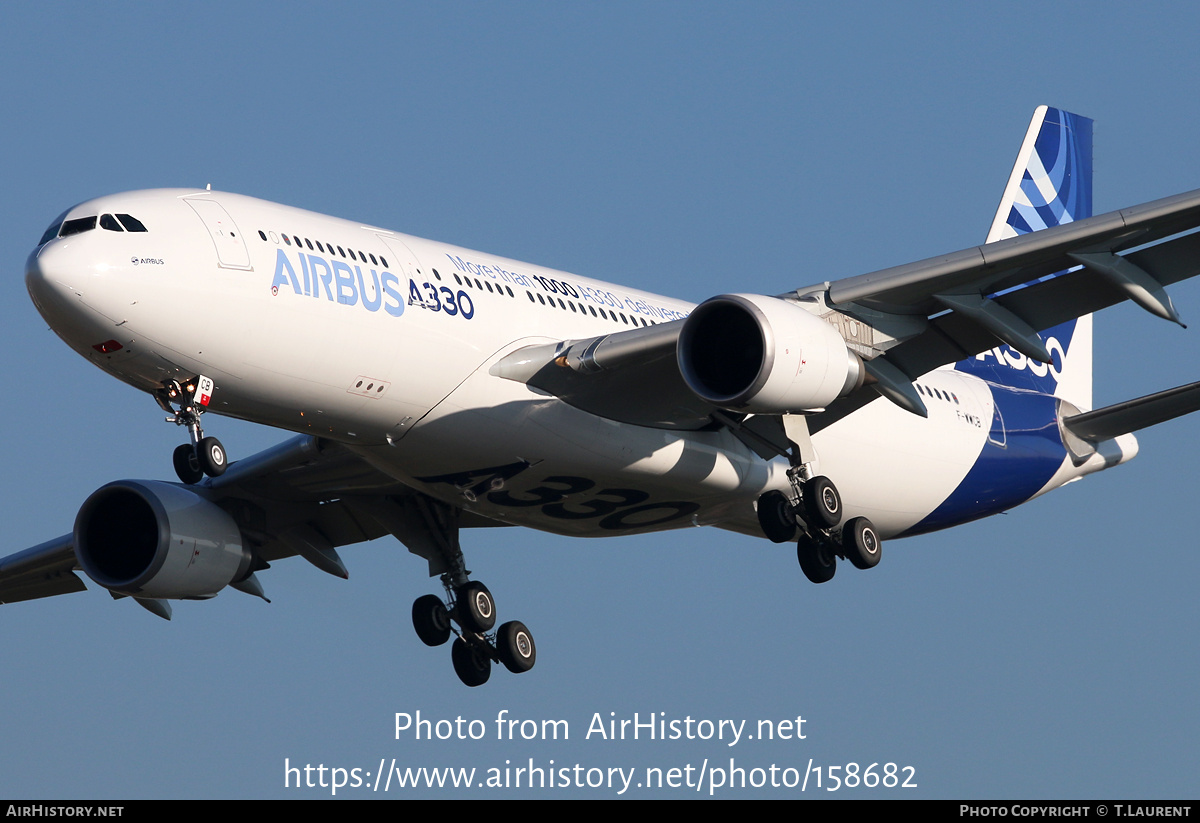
(1050, 184)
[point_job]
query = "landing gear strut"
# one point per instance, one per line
(202, 455)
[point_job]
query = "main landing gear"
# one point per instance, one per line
(476, 647)
(811, 513)
(811, 517)
(430, 529)
(812, 509)
(202, 455)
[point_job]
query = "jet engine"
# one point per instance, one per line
(762, 355)
(156, 540)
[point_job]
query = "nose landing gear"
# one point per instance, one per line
(202, 455)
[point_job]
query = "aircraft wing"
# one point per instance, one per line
(306, 496)
(1003, 292)
(41, 571)
(1004, 264)
(909, 319)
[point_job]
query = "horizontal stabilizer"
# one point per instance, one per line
(1132, 415)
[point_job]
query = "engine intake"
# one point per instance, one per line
(156, 540)
(763, 355)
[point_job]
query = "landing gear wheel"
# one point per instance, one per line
(472, 668)
(817, 560)
(822, 502)
(776, 518)
(861, 543)
(186, 464)
(211, 455)
(431, 620)
(515, 645)
(476, 609)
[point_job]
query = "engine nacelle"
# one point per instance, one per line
(763, 355)
(156, 540)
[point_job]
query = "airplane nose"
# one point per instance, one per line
(46, 273)
(55, 275)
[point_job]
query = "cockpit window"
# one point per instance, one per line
(52, 231)
(77, 226)
(118, 222)
(131, 223)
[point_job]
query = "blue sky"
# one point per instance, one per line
(688, 149)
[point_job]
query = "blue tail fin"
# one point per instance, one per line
(1050, 184)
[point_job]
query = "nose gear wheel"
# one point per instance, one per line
(202, 455)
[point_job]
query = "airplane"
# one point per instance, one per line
(434, 389)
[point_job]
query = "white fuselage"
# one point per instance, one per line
(388, 351)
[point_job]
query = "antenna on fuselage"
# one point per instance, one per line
(208, 186)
